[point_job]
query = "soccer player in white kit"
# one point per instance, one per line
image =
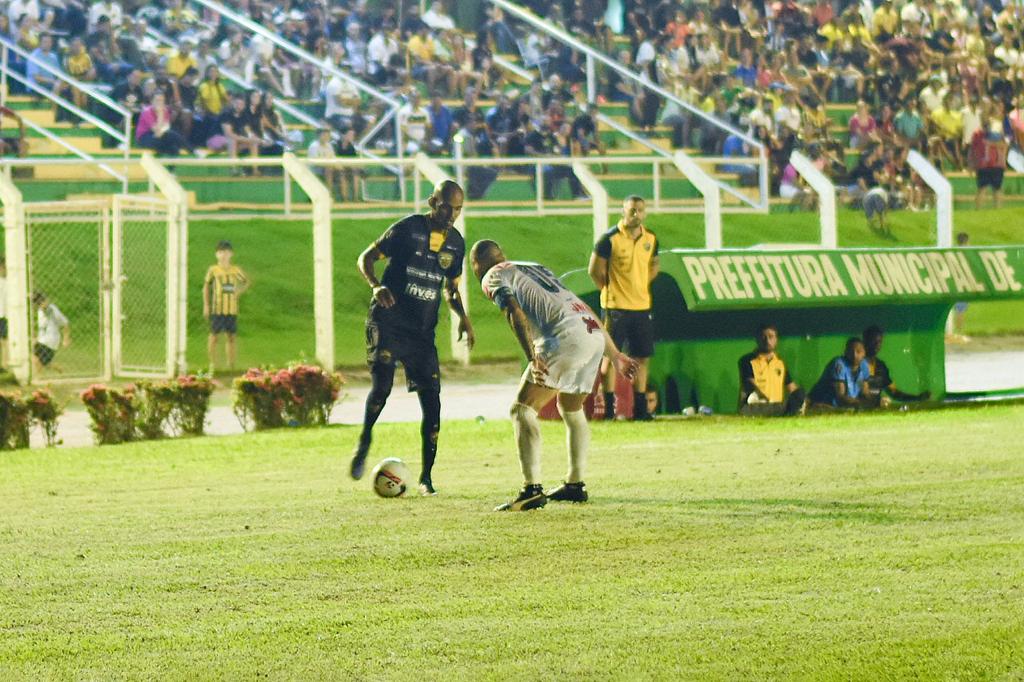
(564, 343)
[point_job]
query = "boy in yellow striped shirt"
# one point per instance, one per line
(223, 285)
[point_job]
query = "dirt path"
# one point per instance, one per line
(968, 368)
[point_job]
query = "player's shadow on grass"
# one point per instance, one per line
(782, 507)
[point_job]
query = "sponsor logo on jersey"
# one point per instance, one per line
(420, 292)
(423, 274)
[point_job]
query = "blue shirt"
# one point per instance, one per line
(33, 70)
(441, 122)
(838, 369)
(747, 74)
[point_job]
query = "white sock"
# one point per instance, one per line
(577, 441)
(527, 432)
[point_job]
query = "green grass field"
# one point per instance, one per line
(276, 321)
(869, 547)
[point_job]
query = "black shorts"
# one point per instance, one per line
(3, 327)
(632, 331)
(387, 344)
(990, 177)
(44, 353)
(227, 324)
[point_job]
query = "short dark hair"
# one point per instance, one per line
(873, 330)
(852, 341)
(224, 245)
(634, 197)
(765, 326)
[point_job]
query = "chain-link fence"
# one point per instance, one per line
(139, 256)
(67, 259)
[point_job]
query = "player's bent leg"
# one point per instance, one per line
(526, 428)
(430, 429)
(577, 438)
(382, 377)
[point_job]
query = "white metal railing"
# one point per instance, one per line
(459, 168)
(85, 156)
(123, 136)
(826, 191)
(939, 184)
(325, 66)
(593, 57)
(240, 80)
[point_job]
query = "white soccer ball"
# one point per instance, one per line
(391, 478)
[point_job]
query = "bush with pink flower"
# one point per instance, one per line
(299, 395)
(148, 411)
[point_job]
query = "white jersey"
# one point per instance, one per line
(549, 306)
(565, 331)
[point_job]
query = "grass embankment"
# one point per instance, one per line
(277, 320)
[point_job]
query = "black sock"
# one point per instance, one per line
(383, 378)
(639, 404)
(609, 406)
(430, 427)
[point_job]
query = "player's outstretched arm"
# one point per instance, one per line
(624, 365)
(366, 263)
(454, 298)
(521, 328)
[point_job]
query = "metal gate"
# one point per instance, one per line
(67, 249)
(143, 292)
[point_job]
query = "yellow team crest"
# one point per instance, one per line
(445, 259)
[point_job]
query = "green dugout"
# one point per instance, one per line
(707, 306)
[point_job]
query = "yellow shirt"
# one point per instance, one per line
(422, 50)
(213, 96)
(859, 33)
(831, 33)
(883, 21)
(223, 285)
(769, 375)
(949, 123)
(178, 65)
(629, 268)
(80, 65)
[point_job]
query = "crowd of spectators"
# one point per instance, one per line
(940, 76)
(943, 77)
(169, 79)
(163, 62)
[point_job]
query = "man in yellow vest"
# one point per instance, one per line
(623, 265)
(765, 385)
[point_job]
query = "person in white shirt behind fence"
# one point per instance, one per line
(54, 331)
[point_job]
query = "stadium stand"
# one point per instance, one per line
(854, 86)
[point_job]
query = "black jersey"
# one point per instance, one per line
(419, 262)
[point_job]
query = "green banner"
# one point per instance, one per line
(752, 279)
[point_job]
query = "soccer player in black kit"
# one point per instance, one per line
(425, 255)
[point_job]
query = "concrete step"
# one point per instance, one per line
(41, 146)
(82, 172)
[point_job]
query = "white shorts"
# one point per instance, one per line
(573, 360)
